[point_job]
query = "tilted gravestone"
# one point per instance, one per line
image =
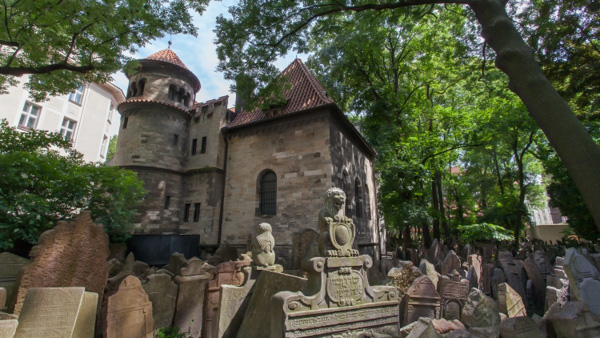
(451, 262)
(73, 253)
(338, 299)
(520, 327)
(421, 300)
(481, 311)
(510, 302)
(584, 279)
(162, 293)
(538, 280)
(301, 245)
(476, 273)
(8, 324)
(57, 312)
(192, 281)
(230, 273)
(129, 312)
(453, 292)
(11, 268)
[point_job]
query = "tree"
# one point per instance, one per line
(112, 147)
(65, 43)
(40, 186)
(261, 31)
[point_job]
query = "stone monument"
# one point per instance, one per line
(11, 268)
(338, 299)
(263, 254)
(129, 312)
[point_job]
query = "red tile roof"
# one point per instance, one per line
(167, 55)
(304, 93)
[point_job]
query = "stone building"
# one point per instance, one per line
(216, 174)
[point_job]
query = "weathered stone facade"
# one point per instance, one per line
(202, 164)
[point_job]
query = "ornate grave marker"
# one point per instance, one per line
(129, 311)
(421, 300)
(453, 292)
(339, 299)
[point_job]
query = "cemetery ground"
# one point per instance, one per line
(74, 284)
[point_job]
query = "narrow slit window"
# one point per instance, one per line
(186, 212)
(175, 139)
(203, 147)
(196, 212)
(167, 202)
(194, 146)
(125, 120)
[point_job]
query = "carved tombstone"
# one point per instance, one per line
(513, 272)
(8, 324)
(176, 262)
(301, 245)
(57, 312)
(584, 279)
(453, 292)
(71, 254)
(162, 293)
(338, 299)
(510, 302)
(192, 283)
(451, 262)
(11, 268)
(228, 273)
(481, 312)
(421, 300)
(538, 280)
(476, 273)
(129, 312)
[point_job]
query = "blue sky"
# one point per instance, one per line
(199, 54)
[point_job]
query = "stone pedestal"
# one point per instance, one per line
(338, 300)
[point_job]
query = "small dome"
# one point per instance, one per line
(167, 55)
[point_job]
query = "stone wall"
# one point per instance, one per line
(297, 149)
(207, 123)
(352, 172)
(206, 188)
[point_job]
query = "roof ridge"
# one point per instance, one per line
(312, 80)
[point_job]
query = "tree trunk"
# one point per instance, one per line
(426, 234)
(459, 207)
(406, 239)
(438, 178)
(566, 134)
(497, 171)
(436, 208)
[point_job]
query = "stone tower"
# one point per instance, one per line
(154, 133)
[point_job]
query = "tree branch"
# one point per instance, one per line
(18, 71)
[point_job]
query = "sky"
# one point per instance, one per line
(199, 54)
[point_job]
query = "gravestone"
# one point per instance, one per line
(162, 293)
(11, 268)
(539, 283)
(584, 279)
(2, 298)
(573, 319)
(556, 295)
(453, 293)
(475, 277)
(8, 325)
(421, 300)
(402, 277)
(498, 278)
(192, 282)
(486, 278)
(451, 262)
(480, 312)
(176, 262)
(233, 303)
(520, 327)
(338, 300)
(512, 270)
(510, 302)
(72, 253)
(129, 312)
(230, 273)
(57, 312)
(301, 246)
(428, 270)
(542, 263)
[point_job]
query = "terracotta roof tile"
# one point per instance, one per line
(305, 92)
(167, 55)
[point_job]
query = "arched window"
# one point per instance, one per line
(186, 99)
(357, 198)
(181, 95)
(134, 89)
(268, 193)
(172, 92)
(346, 186)
(141, 85)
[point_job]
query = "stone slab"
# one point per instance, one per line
(57, 312)
(8, 325)
(129, 311)
(233, 303)
(162, 293)
(257, 319)
(11, 269)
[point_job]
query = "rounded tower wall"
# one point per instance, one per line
(152, 135)
(159, 85)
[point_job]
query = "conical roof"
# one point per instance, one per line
(167, 55)
(304, 93)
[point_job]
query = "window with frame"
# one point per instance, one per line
(194, 146)
(196, 212)
(268, 193)
(103, 147)
(76, 95)
(67, 130)
(111, 111)
(357, 199)
(29, 116)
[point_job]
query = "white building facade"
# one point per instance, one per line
(87, 116)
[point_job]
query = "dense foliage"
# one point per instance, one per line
(43, 180)
(454, 144)
(484, 232)
(65, 43)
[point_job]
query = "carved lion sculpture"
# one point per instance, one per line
(335, 201)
